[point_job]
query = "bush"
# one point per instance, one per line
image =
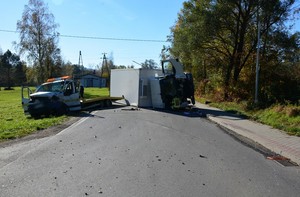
(292, 111)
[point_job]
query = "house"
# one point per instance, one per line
(91, 80)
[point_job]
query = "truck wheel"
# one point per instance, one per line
(102, 104)
(65, 109)
(62, 110)
(36, 116)
(108, 103)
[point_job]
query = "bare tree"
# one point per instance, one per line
(38, 37)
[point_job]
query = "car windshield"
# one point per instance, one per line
(51, 87)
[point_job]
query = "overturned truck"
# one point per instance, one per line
(169, 87)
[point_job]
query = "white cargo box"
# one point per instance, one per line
(133, 84)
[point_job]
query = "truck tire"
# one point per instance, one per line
(62, 110)
(108, 103)
(36, 116)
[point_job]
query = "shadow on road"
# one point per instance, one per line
(223, 114)
(192, 112)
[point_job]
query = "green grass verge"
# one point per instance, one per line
(95, 92)
(286, 118)
(14, 124)
(283, 117)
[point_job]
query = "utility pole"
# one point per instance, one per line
(105, 66)
(80, 62)
(257, 58)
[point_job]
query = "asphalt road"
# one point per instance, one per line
(123, 152)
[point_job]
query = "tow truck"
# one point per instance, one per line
(58, 96)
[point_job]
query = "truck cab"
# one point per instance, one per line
(56, 96)
(175, 89)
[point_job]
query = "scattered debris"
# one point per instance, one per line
(277, 158)
(282, 160)
(132, 109)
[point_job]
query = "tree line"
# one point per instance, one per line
(14, 72)
(218, 42)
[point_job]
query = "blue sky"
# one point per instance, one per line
(121, 19)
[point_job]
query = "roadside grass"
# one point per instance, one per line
(13, 122)
(286, 118)
(283, 117)
(95, 92)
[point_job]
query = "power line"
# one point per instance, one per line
(96, 37)
(9, 31)
(116, 39)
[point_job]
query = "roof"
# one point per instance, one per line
(86, 75)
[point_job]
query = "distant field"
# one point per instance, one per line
(13, 122)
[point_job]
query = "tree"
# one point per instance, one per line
(20, 73)
(6, 69)
(1, 72)
(119, 67)
(280, 69)
(10, 66)
(39, 38)
(68, 69)
(218, 38)
(165, 52)
(149, 64)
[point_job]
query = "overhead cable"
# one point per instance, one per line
(96, 38)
